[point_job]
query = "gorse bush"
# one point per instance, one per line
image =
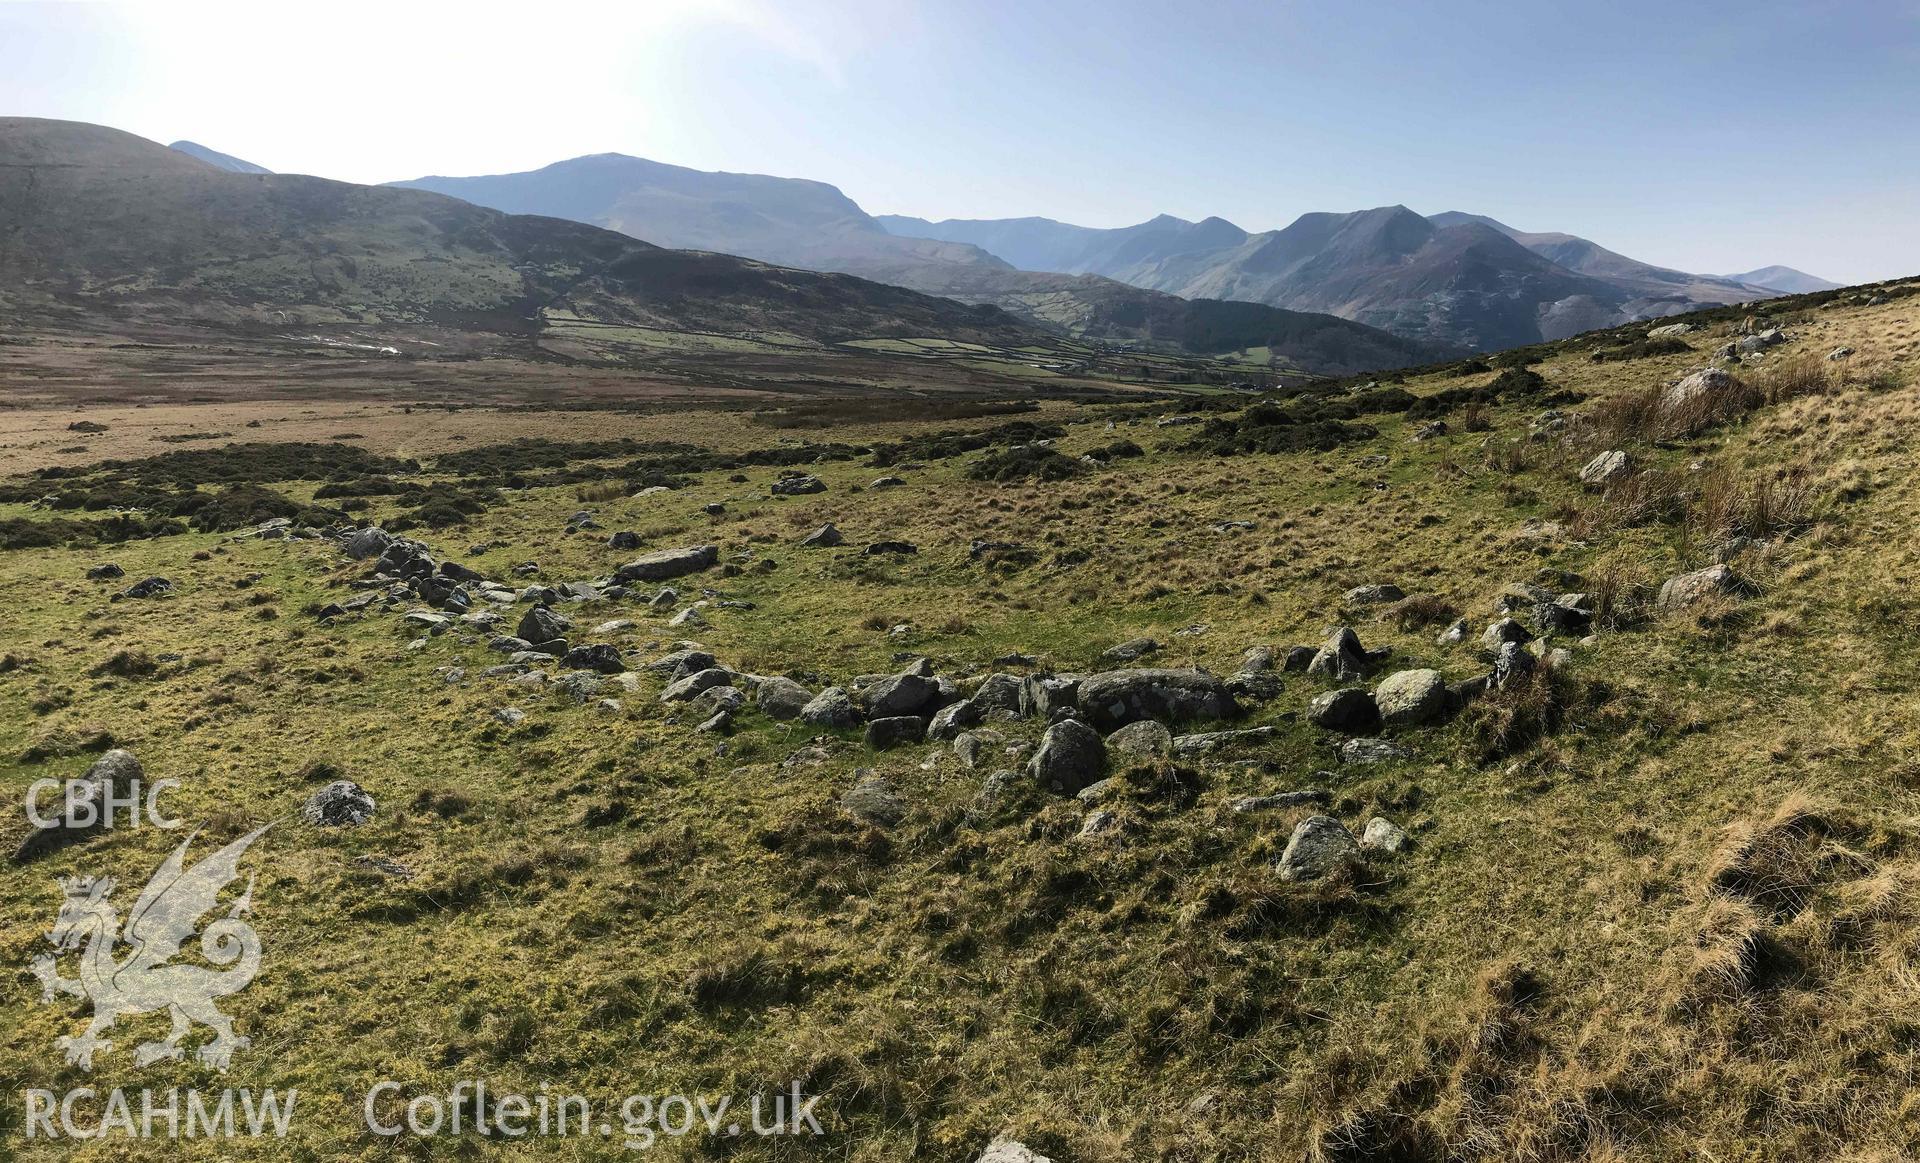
(1028, 462)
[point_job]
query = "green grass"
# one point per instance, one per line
(960, 975)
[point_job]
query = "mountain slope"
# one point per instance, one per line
(1785, 280)
(95, 217)
(811, 224)
(214, 157)
(1455, 277)
(1590, 258)
(781, 220)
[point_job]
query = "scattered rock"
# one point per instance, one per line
(1366, 752)
(1504, 631)
(831, 708)
(1510, 664)
(1285, 799)
(1211, 741)
(1319, 845)
(1341, 658)
(542, 624)
(1100, 824)
(105, 571)
(888, 482)
(364, 543)
(893, 730)
(1688, 588)
(152, 587)
(340, 804)
(1704, 382)
(1114, 698)
(694, 684)
(1005, 1150)
(1147, 740)
(950, 720)
(598, 657)
(780, 697)
(797, 485)
(1455, 634)
(1373, 595)
(625, 539)
(901, 694)
(1130, 650)
(109, 779)
(663, 564)
(875, 801)
(511, 716)
(1383, 836)
(1071, 756)
(1838, 354)
(1605, 468)
(1350, 710)
(825, 537)
(1411, 698)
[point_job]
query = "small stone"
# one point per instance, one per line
(893, 730)
(779, 697)
(833, 708)
(1605, 468)
(1285, 799)
(1319, 845)
(1071, 756)
(1688, 588)
(825, 537)
(341, 803)
(1130, 650)
(875, 801)
(1146, 740)
(1411, 698)
(1366, 752)
(1382, 835)
(1373, 595)
(1350, 710)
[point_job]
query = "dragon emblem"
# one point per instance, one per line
(167, 913)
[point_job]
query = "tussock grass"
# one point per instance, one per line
(1605, 942)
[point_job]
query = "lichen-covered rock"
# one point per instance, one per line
(1114, 698)
(780, 697)
(1319, 845)
(1071, 756)
(1410, 698)
(1688, 588)
(668, 563)
(832, 708)
(340, 804)
(1146, 740)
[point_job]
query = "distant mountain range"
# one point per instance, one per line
(1785, 280)
(94, 220)
(1449, 280)
(813, 225)
(1459, 277)
(214, 157)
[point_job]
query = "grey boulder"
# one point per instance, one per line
(1112, 699)
(1319, 845)
(1071, 756)
(668, 563)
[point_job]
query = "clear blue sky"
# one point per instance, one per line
(1702, 135)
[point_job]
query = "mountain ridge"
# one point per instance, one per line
(800, 222)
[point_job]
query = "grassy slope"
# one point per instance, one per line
(942, 981)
